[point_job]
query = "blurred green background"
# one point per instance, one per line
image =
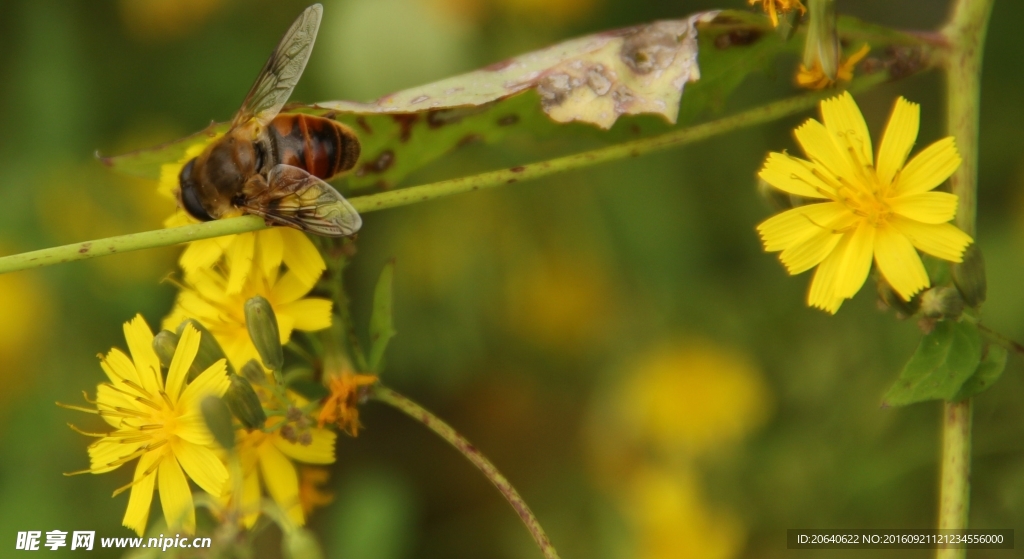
(615, 340)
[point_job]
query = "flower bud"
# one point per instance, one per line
(969, 276)
(889, 298)
(244, 403)
(209, 350)
(262, 325)
(300, 544)
(218, 420)
(942, 302)
(164, 344)
(253, 372)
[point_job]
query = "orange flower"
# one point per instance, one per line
(341, 406)
(311, 494)
(815, 78)
(774, 7)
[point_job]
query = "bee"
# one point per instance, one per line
(275, 165)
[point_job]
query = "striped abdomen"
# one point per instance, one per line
(321, 146)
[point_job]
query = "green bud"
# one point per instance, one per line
(164, 344)
(209, 350)
(889, 298)
(969, 277)
(300, 543)
(822, 44)
(942, 302)
(262, 324)
(253, 372)
(218, 420)
(244, 403)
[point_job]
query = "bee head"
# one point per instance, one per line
(188, 193)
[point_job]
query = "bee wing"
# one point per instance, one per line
(282, 71)
(298, 199)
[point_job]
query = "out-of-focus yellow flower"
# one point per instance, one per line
(880, 213)
(205, 297)
(561, 301)
(159, 422)
(342, 406)
(691, 398)
(269, 247)
(815, 78)
(311, 492)
(25, 308)
(165, 19)
(669, 518)
(267, 459)
(775, 7)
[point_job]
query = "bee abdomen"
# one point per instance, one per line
(321, 146)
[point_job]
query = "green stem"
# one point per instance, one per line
(423, 193)
(965, 33)
(445, 431)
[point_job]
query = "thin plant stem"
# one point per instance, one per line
(423, 193)
(430, 421)
(965, 33)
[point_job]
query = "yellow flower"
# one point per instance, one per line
(269, 247)
(879, 212)
(205, 297)
(341, 407)
(774, 7)
(159, 423)
(267, 457)
(815, 78)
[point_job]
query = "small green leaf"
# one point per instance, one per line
(944, 360)
(989, 371)
(381, 326)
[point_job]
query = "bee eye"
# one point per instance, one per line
(189, 195)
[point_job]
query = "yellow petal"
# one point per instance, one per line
(793, 175)
(899, 262)
(119, 367)
(202, 465)
(184, 354)
(213, 381)
(281, 481)
(790, 227)
(191, 427)
(140, 343)
(899, 138)
(309, 315)
(846, 123)
(302, 257)
(200, 254)
(270, 245)
(137, 514)
(823, 292)
(926, 207)
(819, 146)
(320, 451)
(810, 251)
(929, 168)
(175, 497)
(942, 240)
(856, 261)
(240, 256)
(250, 499)
(291, 287)
(108, 450)
(109, 398)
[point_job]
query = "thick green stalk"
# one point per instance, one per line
(445, 431)
(965, 33)
(423, 193)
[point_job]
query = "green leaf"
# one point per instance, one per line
(944, 360)
(988, 372)
(381, 326)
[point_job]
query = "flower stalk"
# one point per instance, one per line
(416, 194)
(383, 394)
(965, 33)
